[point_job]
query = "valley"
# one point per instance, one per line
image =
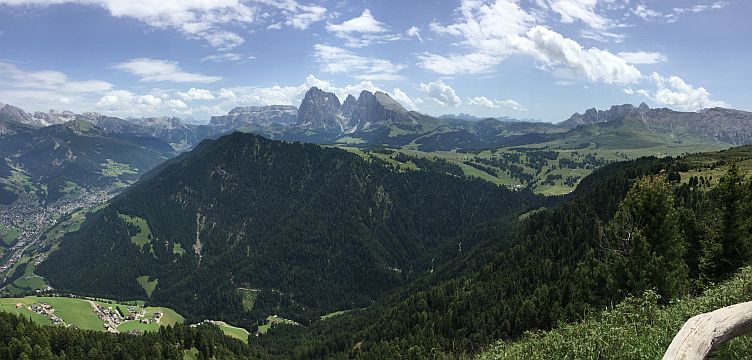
(387, 215)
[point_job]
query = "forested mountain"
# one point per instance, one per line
(313, 229)
(629, 228)
(57, 159)
(23, 339)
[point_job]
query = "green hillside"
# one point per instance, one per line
(313, 230)
(637, 328)
(53, 161)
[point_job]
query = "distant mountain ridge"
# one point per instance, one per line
(719, 125)
(376, 119)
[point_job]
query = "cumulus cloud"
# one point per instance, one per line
(495, 104)
(196, 94)
(404, 99)
(365, 23)
(554, 50)
(642, 57)
(441, 93)
(44, 89)
(492, 32)
(215, 21)
(198, 19)
(579, 10)
(362, 31)
(296, 15)
(675, 92)
(335, 60)
(127, 103)
(163, 70)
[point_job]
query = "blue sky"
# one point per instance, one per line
(541, 59)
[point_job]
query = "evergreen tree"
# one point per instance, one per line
(644, 249)
(727, 246)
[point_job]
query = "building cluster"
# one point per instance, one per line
(113, 317)
(46, 310)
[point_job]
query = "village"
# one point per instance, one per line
(112, 316)
(33, 218)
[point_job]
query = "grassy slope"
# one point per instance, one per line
(8, 235)
(148, 286)
(637, 328)
(79, 312)
(142, 237)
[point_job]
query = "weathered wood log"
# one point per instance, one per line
(704, 333)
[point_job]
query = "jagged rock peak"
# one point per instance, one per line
(260, 115)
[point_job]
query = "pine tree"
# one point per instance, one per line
(727, 246)
(644, 249)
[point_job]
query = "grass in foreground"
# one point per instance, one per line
(637, 328)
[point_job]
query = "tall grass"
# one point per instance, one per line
(637, 328)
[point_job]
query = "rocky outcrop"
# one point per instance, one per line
(717, 124)
(259, 115)
(321, 110)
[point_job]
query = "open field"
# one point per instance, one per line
(232, 331)
(553, 168)
(248, 297)
(8, 235)
(148, 286)
(142, 236)
(79, 312)
(115, 169)
(273, 320)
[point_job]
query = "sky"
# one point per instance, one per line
(527, 59)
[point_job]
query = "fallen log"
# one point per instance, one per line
(704, 333)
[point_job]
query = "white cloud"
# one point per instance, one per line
(441, 93)
(295, 14)
(642, 57)
(227, 57)
(495, 104)
(555, 51)
(671, 16)
(492, 32)
(335, 60)
(45, 89)
(365, 23)
(579, 10)
(129, 104)
(404, 99)
(414, 31)
(196, 94)
(362, 31)
(48, 80)
(162, 70)
(511, 104)
(197, 19)
(482, 101)
(675, 92)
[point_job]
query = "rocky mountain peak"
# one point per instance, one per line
(260, 115)
(321, 110)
